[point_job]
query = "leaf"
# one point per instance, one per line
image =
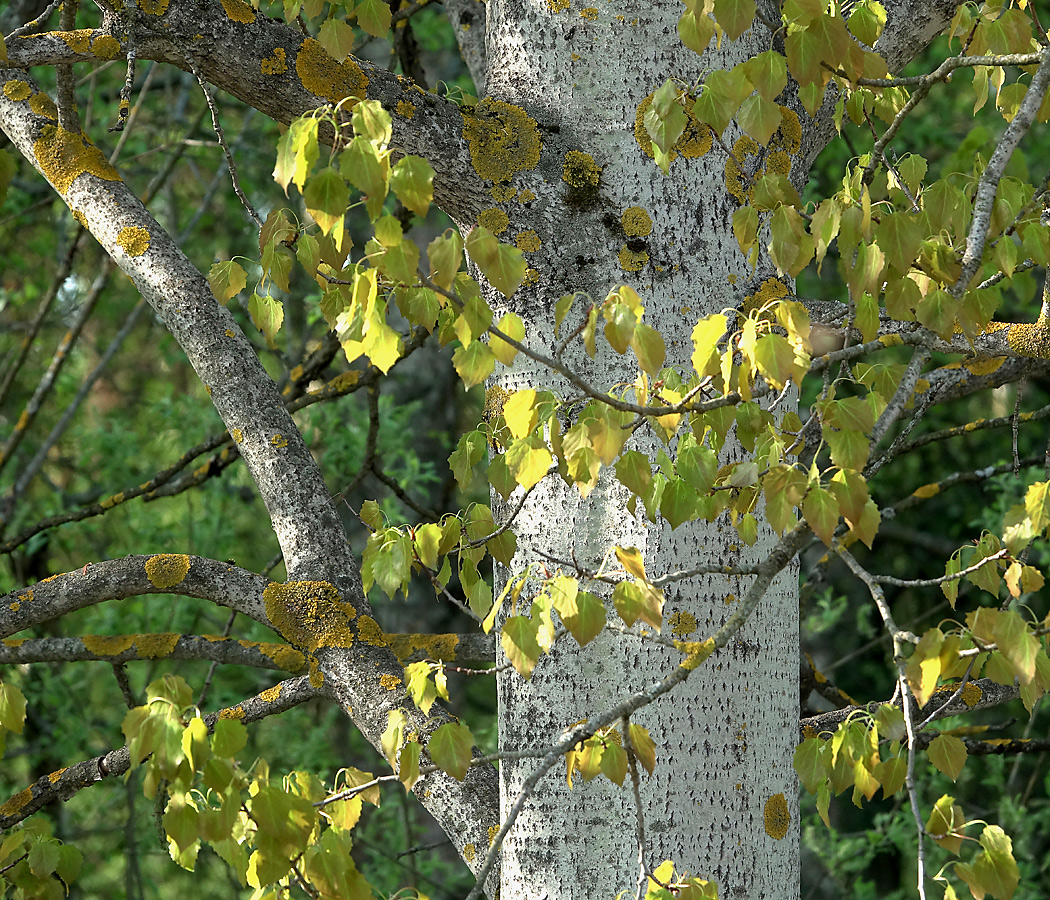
(648, 345)
(362, 165)
(408, 764)
(937, 311)
(1017, 644)
(374, 17)
(12, 708)
(631, 559)
(326, 197)
(267, 314)
(297, 151)
(745, 228)
(664, 122)
(450, 747)
(412, 180)
(735, 16)
(768, 73)
(948, 754)
(809, 765)
(519, 640)
(474, 363)
(512, 326)
(821, 510)
(502, 265)
(644, 747)
(706, 334)
(696, 30)
(759, 117)
(226, 279)
(993, 871)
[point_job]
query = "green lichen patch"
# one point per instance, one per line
(503, 139)
(16, 89)
(495, 220)
(309, 614)
(322, 75)
(133, 240)
(503, 193)
(636, 222)
(239, 11)
(274, 64)
(17, 802)
(107, 645)
(64, 156)
(166, 570)
(777, 818)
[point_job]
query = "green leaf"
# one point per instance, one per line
(412, 180)
(937, 312)
(768, 73)
(366, 169)
(696, 30)
(228, 738)
(326, 197)
(337, 37)
(474, 363)
(648, 345)
(297, 151)
(12, 708)
(664, 121)
(374, 17)
(226, 280)
(502, 265)
(759, 117)
(519, 643)
(267, 314)
(993, 871)
(900, 237)
(809, 765)
(821, 510)
(948, 754)
(512, 326)
(735, 16)
(678, 504)
(450, 747)
(614, 762)
(1017, 644)
(644, 747)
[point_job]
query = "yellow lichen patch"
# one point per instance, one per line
(557, 6)
(527, 241)
(682, 624)
(778, 162)
(284, 657)
(106, 47)
(322, 75)
(63, 156)
(239, 11)
(580, 170)
(237, 435)
(279, 441)
(370, 632)
(14, 607)
(493, 831)
(17, 802)
(154, 7)
(503, 139)
(166, 570)
(107, 645)
(495, 398)
(316, 675)
(636, 222)
(589, 12)
(502, 193)
(777, 817)
(16, 89)
(155, 646)
(112, 501)
(495, 220)
(971, 694)
(56, 776)
(696, 652)
(390, 682)
(275, 64)
(738, 183)
(984, 366)
(79, 216)
(43, 105)
(78, 41)
(525, 196)
(14, 642)
(789, 134)
(927, 491)
(632, 261)
(405, 108)
(432, 646)
(469, 852)
(232, 712)
(1032, 341)
(309, 614)
(270, 695)
(730, 599)
(531, 277)
(133, 240)
(696, 139)
(770, 290)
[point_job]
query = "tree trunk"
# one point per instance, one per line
(725, 738)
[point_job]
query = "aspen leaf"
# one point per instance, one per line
(664, 121)
(393, 736)
(644, 747)
(634, 472)
(759, 117)
(867, 21)
(768, 73)
(614, 763)
(631, 559)
(374, 17)
(267, 314)
(734, 16)
(450, 747)
(722, 94)
(12, 708)
(993, 871)
(412, 180)
(696, 30)
(821, 510)
(945, 823)
(809, 764)
(745, 227)
(362, 166)
(337, 37)
(924, 667)
(502, 265)
(678, 504)
(372, 121)
(529, 462)
(519, 643)
(326, 196)
(408, 764)
(1017, 644)
(892, 774)
(474, 363)
(628, 601)
(948, 754)
(561, 309)
(512, 326)
(648, 345)
(297, 151)
(226, 279)
(1037, 505)
(706, 334)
